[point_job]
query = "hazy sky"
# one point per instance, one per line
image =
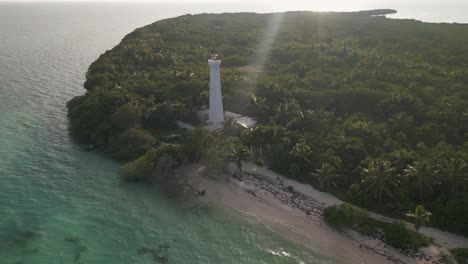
(335, 2)
(306, 3)
(425, 10)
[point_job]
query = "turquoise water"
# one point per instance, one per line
(60, 204)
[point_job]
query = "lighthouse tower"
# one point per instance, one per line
(216, 113)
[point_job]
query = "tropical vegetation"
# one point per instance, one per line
(374, 110)
(460, 254)
(420, 217)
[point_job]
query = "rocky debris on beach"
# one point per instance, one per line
(286, 194)
(255, 184)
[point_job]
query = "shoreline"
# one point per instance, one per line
(294, 211)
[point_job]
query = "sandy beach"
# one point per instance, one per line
(294, 211)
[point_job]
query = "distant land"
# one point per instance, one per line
(376, 12)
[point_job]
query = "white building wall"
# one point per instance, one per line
(216, 112)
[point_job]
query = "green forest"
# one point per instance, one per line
(371, 109)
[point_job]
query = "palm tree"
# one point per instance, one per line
(380, 178)
(454, 172)
(301, 151)
(326, 175)
(425, 174)
(420, 216)
(239, 153)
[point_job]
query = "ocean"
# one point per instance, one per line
(62, 204)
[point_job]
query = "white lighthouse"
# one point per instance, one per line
(216, 112)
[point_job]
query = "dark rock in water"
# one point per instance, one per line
(19, 242)
(73, 240)
(82, 248)
(90, 147)
(156, 253)
(79, 247)
(31, 235)
(22, 239)
(143, 251)
(157, 257)
(77, 257)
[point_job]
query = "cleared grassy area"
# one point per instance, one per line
(393, 234)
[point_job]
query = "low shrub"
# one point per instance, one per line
(398, 236)
(394, 234)
(344, 215)
(460, 255)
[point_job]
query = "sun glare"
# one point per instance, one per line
(268, 37)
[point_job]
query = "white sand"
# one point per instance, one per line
(265, 202)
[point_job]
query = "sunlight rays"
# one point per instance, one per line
(268, 37)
